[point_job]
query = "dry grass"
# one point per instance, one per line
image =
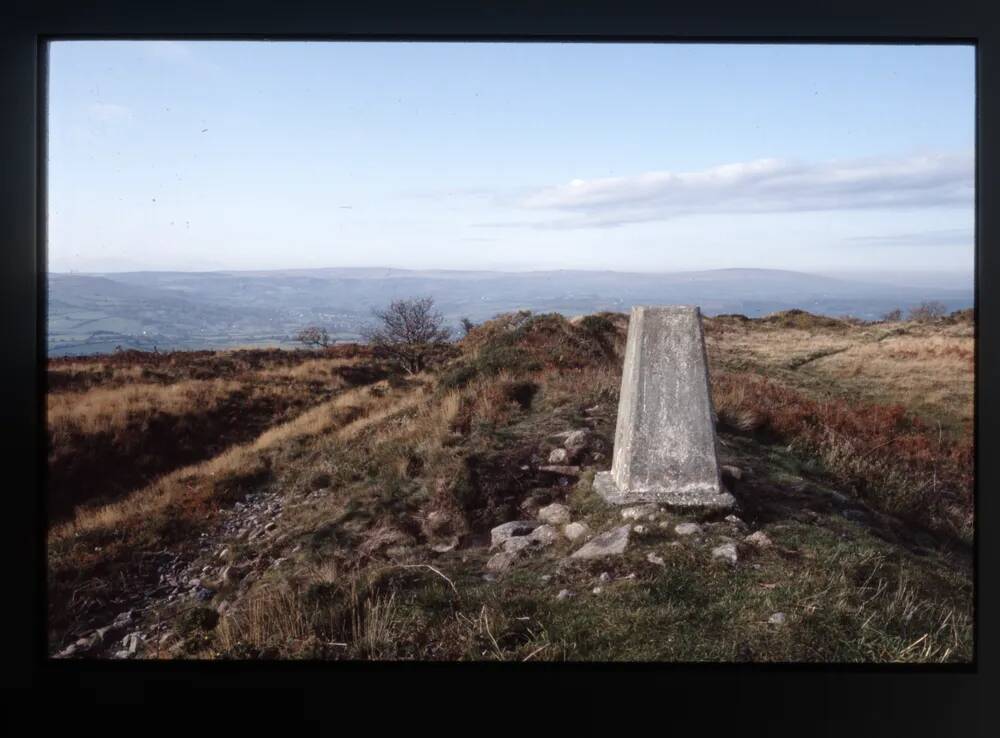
(932, 375)
(294, 621)
(111, 410)
(276, 616)
(893, 459)
(926, 368)
(311, 371)
(354, 410)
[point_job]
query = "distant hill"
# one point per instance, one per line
(93, 313)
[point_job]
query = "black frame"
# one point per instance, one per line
(931, 696)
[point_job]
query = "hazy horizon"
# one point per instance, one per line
(649, 158)
(915, 278)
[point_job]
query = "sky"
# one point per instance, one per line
(202, 155)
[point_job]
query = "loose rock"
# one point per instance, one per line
(733, 472)
(517, 545)
(727, 552)
(558, 456)
(445, 546)
(758, 539)
(687, 529)
(777, 619)
(502, 533)
(501, 561)
(612, 543)
(640, 512)
(576, 443)
(652, 558)
(544, 535)
(555, 514)
(574, 531)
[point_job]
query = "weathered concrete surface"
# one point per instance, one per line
(665, 444)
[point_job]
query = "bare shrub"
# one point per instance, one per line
(927, 312)
(313, 336)
(893, 316)
(407, 333)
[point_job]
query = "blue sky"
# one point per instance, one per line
(262, 155)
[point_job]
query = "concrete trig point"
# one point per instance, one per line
(665, 445)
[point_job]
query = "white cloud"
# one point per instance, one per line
(763, 185)
(110, 113)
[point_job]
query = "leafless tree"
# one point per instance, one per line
(313, 336)
(926, 312)
(407, 332)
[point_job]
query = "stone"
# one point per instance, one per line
(652, 558)
(574, 531)
(733, 520)
(605, 577)
(758, 539)
(67, 652)
(733, 472)
(665, 448)
(131, 643)
(777, 619)
(517, 545)
(687, 529)
(576, 443)
(501, 561)
(561, 469)
(124, 618)
(445, 546)
(555, 514)
(564, 594)
(612, 543)
(726, 552)
(640, 512)
(558, 456)
(597, 590)
(543, 535)
(502, 533)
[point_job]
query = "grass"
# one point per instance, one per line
(109, 439)
(889, 458)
